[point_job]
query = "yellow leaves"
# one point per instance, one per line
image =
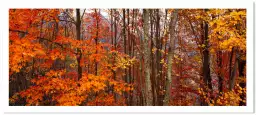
(212, 50)
(216, 11)
(154, 50)
(233, 42)
(228, 29)
(227, 98)
(177, 58)
(73, 65)
(124, 62)
(170, 11)
(238, 15)
(231, 97)
(202, 46)
(218, 102)
(14, 98)
(162, 51)
(211, 105)
(198, 17)
(162, 61)
(165, 65)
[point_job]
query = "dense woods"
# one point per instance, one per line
(127, 57)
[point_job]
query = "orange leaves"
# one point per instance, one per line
(47, 64)
(62, 40)
(68, 41)
(58, 73)
(19, 19)
(37, 46)
(33, 95)
(70, 99)
(39, 80)
(23, 44)
(120, 86)
(58, 88)
(55, 53)
(104, 100)
(67, 92)
(96, 57)
(22, 51)
(22, 19)
(92, 82)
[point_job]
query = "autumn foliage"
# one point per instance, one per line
(118, 57)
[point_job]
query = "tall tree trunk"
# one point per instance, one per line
(115, 26)
(230, 62)
(241, 67)
(220, 77)
(206, 57)
(158, 69)
(149, 98)
(78, 37)
(174, 18)
(111, 27)
(96, 40)
(129, 52)
(153, 64)
(125, 52)
(234, 71)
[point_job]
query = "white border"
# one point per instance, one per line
(124, 4)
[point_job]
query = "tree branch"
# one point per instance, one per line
(83, 14)
(41, 38)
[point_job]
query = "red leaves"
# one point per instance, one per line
(72, 75)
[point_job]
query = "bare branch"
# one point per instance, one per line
(83, 14)
(69, 16)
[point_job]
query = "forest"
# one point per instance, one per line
(127, 57)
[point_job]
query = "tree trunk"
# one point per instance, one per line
(234, 71)
(174, 18)
(78, 37)
(220, 77)
(148, 90)
(96, 41)
(241, 67)
(206, 58)
(158, 58)
(111, 27)
(153, 64)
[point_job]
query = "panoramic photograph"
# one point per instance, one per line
(127, 57)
